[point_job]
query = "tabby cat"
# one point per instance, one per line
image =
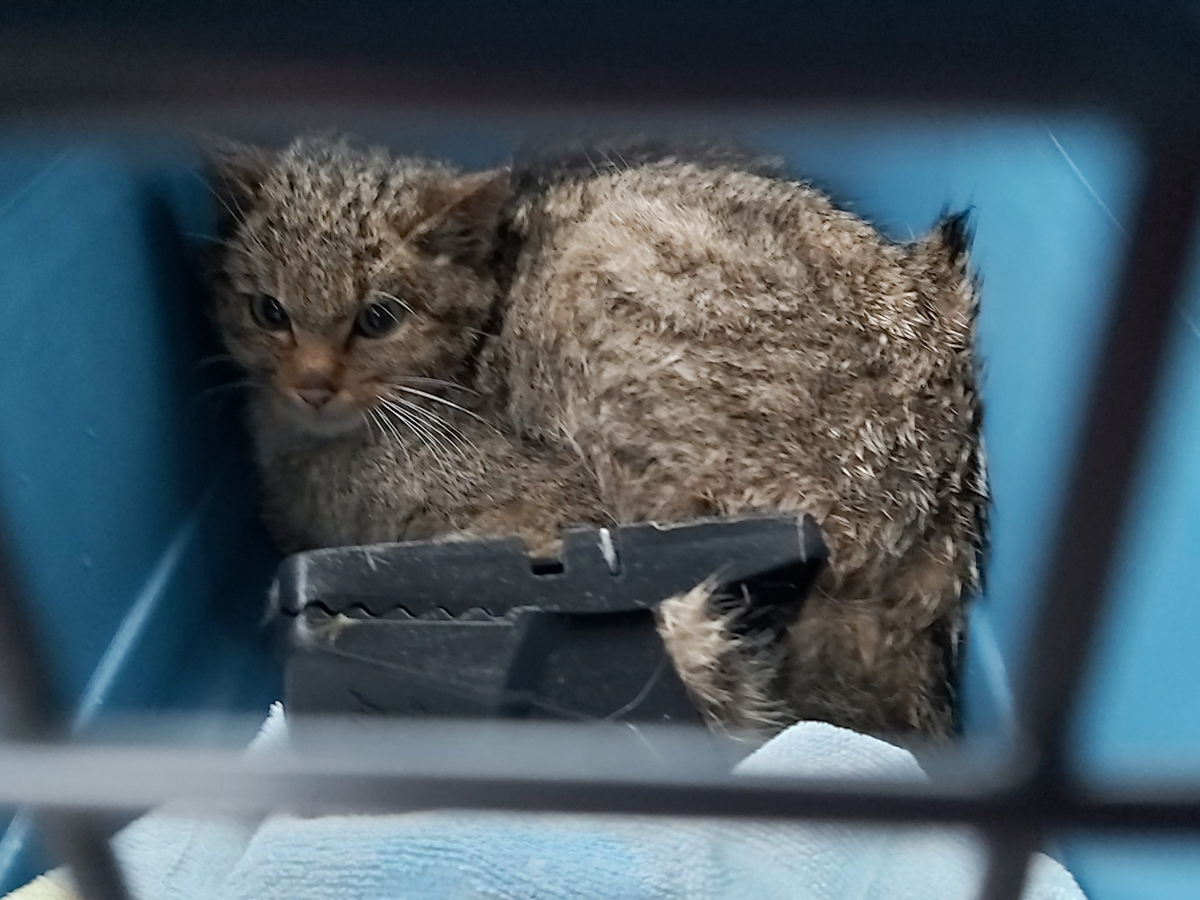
(661, 337)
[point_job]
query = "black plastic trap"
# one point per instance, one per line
(480, 629)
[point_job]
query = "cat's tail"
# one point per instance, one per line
(732, 673)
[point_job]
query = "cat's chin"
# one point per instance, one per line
(321, 424)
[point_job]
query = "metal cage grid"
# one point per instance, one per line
(1139, 62)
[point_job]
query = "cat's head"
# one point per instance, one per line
(346, 276)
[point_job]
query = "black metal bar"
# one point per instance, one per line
(72, 778)
(81, 841)
(1099, 55)
(72, 56)
(1114, 427)
(1012, 848)
(27, 701)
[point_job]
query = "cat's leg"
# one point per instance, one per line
(872, 665)
(880, 665)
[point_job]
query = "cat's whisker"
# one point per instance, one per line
(435, 382)
(589, 159)
(443, 426)
(210, 239)
(387, 431)
(222, 242)
(423, 427)
(452, 433)
(396, 437)
(436, 449)
(395, 299)
(608, 159)
(238, 216)
(436, 399)
(369, 420)
(386, 419)
(386, 427)
(372, 419)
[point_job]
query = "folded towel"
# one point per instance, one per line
(520, 856)
(48, 887)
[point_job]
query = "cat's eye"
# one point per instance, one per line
(269, 313)
(378, 319)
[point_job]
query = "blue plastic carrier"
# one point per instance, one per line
(133, 503)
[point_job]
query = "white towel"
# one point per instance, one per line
(499, 856)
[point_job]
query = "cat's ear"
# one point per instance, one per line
(463, 226)
(943, 261)
(950, 242)
(236, 172)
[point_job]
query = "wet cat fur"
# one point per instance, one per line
(649, 339)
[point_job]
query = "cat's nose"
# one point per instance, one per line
(315, 389)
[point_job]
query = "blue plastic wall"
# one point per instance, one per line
(120, 485)
(131, 504)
